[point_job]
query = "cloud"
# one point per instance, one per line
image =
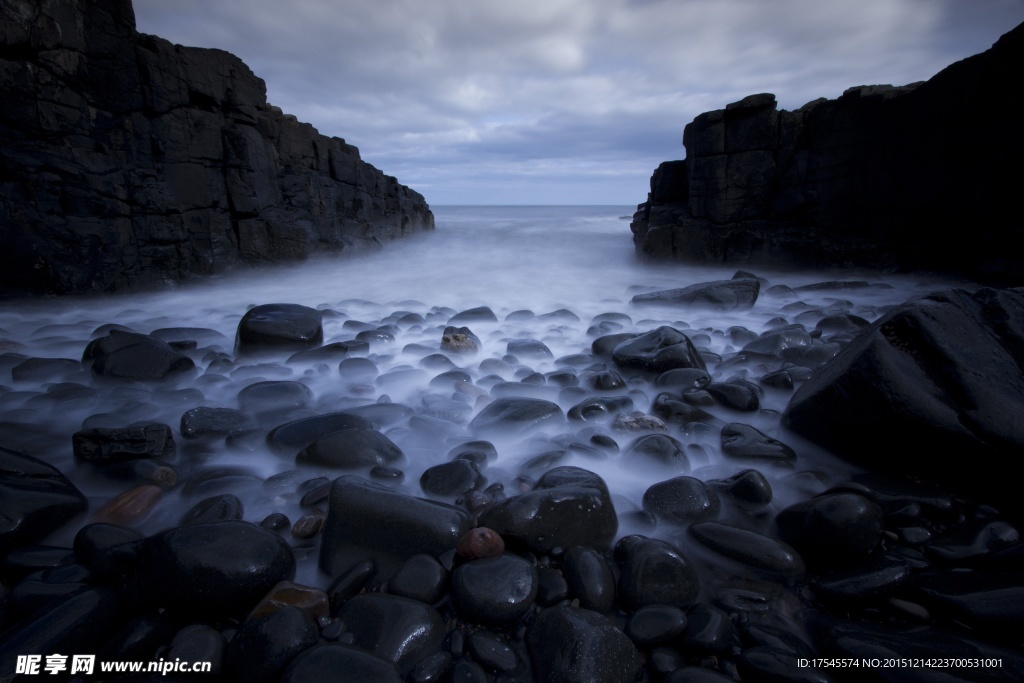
(481, 102)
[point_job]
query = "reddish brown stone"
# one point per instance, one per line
(480, 542)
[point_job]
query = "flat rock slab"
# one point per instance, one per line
(720, 295)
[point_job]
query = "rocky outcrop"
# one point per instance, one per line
(910, 177)
(126, 161)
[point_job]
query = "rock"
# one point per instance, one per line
(529, 348)
(749, 488)
(263, 646)
(750, 548)
(868, 580)
(321, 664)
(451, 479)
(659, 350)
(313, 602)
(655, 573)
(274, 397)
(746, 442)
(659, 449)
(351, 449)
(393, 628)
(579, 646)
(683, 379)
(941, 377)
(796, 188)
(722, 295)
(44, 369)
(35, 499)
(480, 542)
(776, 342)
(129, 507)
(492, 652)
(832, 527)
(220, 569)
(104, 446)
(762, 663)
(494, 591)
(708, 631)
(223, 507)
(733, 395)
(459, 340)
(421, 578)
(682, 500)
(568, 506)
(205, 422)
(364, 518)
(513, 416)
(589, 578)
(655, 624)
(203, 176)
(480, 314)
(131, 356)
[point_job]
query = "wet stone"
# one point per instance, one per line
(264, 645)
(139, 357)
(358, 369)
(35, 499)
(779, 379)
(589, 578)
(720, 295)
(308, 525)
(568, 506)
(44, 369)
(972, 540)
(349, 582)
(683, 379)
(743, 441)
(773, 344)
(214, 509)
(660, 449)
(199, 644)
(749, 488)
(479, 452)
(682, 500)
(551, 587)
(321, 664)
(655, 624)
(750, 548)
(529, 349)
(275, 396)
(100, 445)
(762, 663)
(708, 631)
(396, 629)
(988, 601)
(205, 422)
(572, 644)
(600, 409)
(480, 542)
(129, 507)
(351, 449)
(659, 350)
(473, 315)
(276, 521)
(494, 591)
(492, 653)
(431, 669)
(735, 396)
(279, 327)
(422, 578)
(655, 573)
(605, 380)
(516, 416)
(832, 528)
(876, 577)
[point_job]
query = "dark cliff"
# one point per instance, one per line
(126, 161)
(920, 177)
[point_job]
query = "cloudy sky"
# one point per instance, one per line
(561, 101)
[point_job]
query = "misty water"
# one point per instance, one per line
(575, 263)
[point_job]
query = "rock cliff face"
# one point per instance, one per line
(912, 177)
(126, 161)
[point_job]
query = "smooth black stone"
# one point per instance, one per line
(669, 408)
(655, 624)
(103, 446)
(375, 337)
(492, 653)
(453, 478)
(683, 379)
(773, 344)
(44, 369)
(358, 369)
(79, 624)
(552, 587)
(323, 664)
(494, 591)
(220, 508)
(743, 441)
(779, 637)
(479, 452)
(779, 379)
(659, 350)
(749, 488)
(589, 578)
(35, 499)
(382, 415)
(512, 416)
(529, 348)
(972, 541)
(223, 568)
(431, 669)
(351, 449)
(735, 396)
(349, 582)
(600, 409)
(763, 663)
(750, 548)
(659, 449)
(682, 500)
(576, 646)
(708, 631)
(131, 356)
(367, 519)
(602, 347)
(214, 422)
(422, 578)
(274, 396)
(565, 377)
(987, 601)
(138, 638)
(262, 648)
(896, 492)
(568, 506)
(468, 671)
(720, 295)
(33, 558)
(331, 353)
(655, 573)
(605, 380)
(832, 528)
(279, 327)
(743, 602)
(877, 577)
(107, 549)
(276, 521)
(561, 314)
(199, 644)
(444, 407)
(396, 629)
(31, 595)
(473, 315)
(663, 660)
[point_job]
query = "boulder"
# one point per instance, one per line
(279, 327)
(35, 499)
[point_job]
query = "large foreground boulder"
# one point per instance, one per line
(935, 388)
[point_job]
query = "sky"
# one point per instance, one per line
(561, 101)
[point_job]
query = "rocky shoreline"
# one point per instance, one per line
(409, 492)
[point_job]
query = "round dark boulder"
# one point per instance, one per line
(133, 356)
(660, 350)
(655, 573)
(453, 478)
(35, 499)
(279, 327)
(324, 663)
(262, 648)
(516, 416)
(494, 591)
(393, 628)
(833, 527)
(580, 646)
(682, 500)
(351, 449)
